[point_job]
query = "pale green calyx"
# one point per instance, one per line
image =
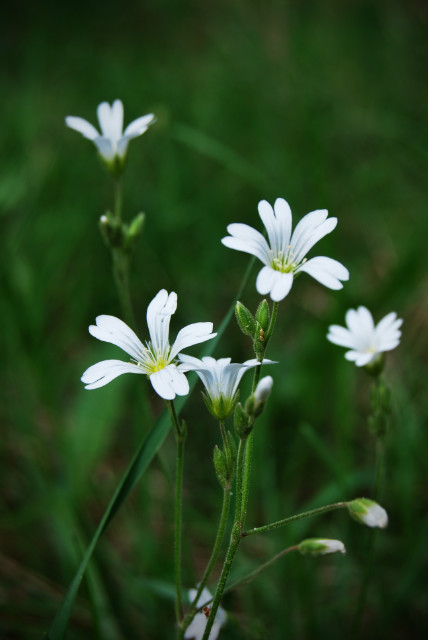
(368, 512)
(320, 547)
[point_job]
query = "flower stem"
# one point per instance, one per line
(214, 554)
(180, 437)
(253, 574)
(298, 516)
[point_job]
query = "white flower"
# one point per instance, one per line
(112, 143)
(365, 339)
(284, 255)
(156, 358)
(197, 627)
(368, 512)
(220, 379)
(321, 546)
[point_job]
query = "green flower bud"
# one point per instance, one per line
(220, 465)
(111, 230)
(368, 512)
(262, 314)
(320, 547)
(245, 319)
(256, 402)
(242, 422)
(135, 227)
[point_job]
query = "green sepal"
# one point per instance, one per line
(259, 343)
(245, 319)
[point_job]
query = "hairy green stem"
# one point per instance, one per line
(298, 516)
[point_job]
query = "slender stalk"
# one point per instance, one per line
(214, 554)
(118, 198)
(378, 421)
(272, 320)
(180, 437)
(298, 516)
(253, 574)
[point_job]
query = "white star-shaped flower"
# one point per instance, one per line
(154, 359)
(284, 254)
(112, 142)
(196, 628)
(365, 339)
(220, 378)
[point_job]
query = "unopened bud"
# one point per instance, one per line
(241, 421)
(262, 314)
(245, 319)
(255, 403)
(135, 227)
(321, 547)
(220, 465)
(368, 512)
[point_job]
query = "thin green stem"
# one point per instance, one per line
(121, 277)
(214, 554)
(299, 516)
(246, 476)
(272, 321)
(117, 198)
(180, 437)
(253, 574)
(230, 555)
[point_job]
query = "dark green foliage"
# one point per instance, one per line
(320, 103)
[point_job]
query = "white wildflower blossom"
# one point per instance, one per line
(112, 142)
(196, 629)
(156, 358)
(284, 254)
(220, 378)
(363, 338)
(321, 546)
(368, 512)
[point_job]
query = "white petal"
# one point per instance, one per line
(327, 271)
(245, 238)
(104, 118)
(283, 215)
(169, 382)
(159, 313)
(105, 148)
(360, 359)
(307, 225)
(311, 238)
(190, 335)
(268, 218)
(104, 372)
(116, 120)
(388, 325)
(111, 329)
(139, 126)
(265, 280)
(82, 126)
(282, 286)
(341, 336)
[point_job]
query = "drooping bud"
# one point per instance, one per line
(320, 547)
(368, 512)
(262, 314)
(245, 319)
(256, 402)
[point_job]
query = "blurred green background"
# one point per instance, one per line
(320, 103)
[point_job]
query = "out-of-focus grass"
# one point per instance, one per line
(321, 104)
